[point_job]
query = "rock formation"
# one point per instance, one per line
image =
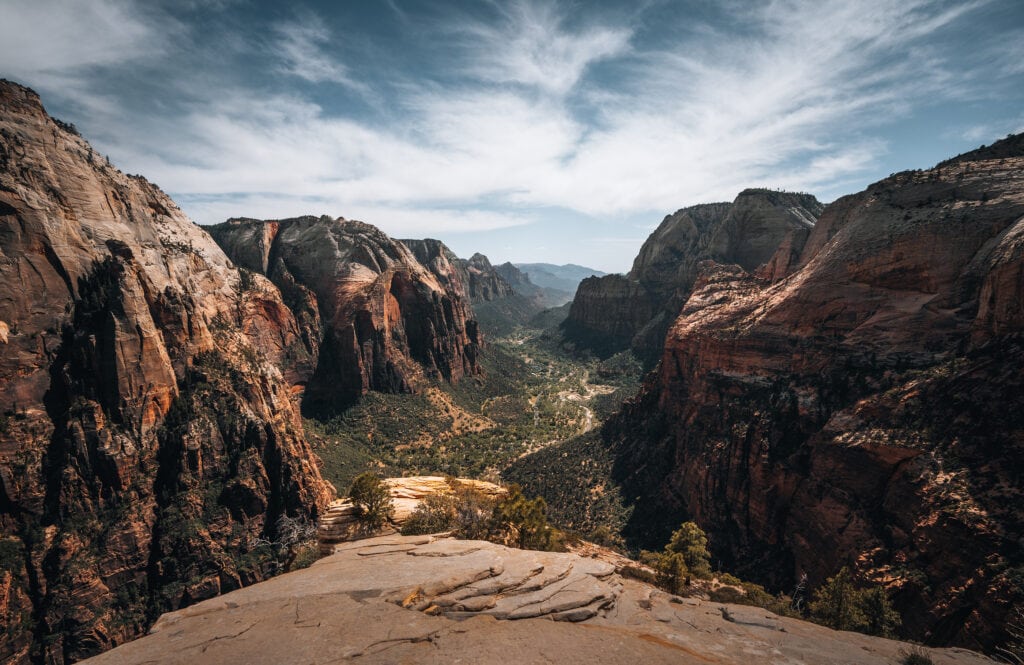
(339, 523)
(147, 438)
(616, 312)
(427, 600)
(475, 277)
(374, 318)
(860, 402)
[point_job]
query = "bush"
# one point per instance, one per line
(372, 500)
(915, 656)
(523, 523)
(880, 617)
(436, 513)
(838, 604)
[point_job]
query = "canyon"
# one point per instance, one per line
(830, 386)
(856, 400)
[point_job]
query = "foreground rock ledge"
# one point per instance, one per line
(422, 599)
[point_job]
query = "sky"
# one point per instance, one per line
(529, 130)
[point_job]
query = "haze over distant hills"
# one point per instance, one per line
(563, 278)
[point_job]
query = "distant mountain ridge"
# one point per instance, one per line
(565, 277)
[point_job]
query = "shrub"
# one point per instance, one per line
(372, 500)
(436, 513)
(915, 656)
(880, 617)
(523, 522)
(837, 604)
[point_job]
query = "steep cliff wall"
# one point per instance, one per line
(860, 404)
(614, 313)
(147, 439)
(385, 320)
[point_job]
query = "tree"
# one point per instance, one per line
(372, 500)
(524, 521)
(880, 617)
(691, 542)
(836, 603)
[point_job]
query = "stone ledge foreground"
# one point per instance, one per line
(421, 599)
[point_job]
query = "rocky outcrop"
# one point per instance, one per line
(147, 439)
(613, 313)
(339, 523)
(858, 404)
(374, 317)
(475, 277)
(428, 600)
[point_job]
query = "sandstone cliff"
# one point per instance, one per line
(616, 312)
(859, 403)
(422, 599)
(377, 319)
(147, 438)
(475, 277)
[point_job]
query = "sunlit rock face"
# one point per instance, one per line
(373, 317)
(859, 401)
(616, 312)
(148, 437)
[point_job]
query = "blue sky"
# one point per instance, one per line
(530, 130)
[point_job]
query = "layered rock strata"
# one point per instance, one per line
(373, 316)
(147, 438)
(426, 600)
(858, 404)
(617, 312)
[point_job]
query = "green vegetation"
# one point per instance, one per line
(530, 396)
(372, 500)
(840, 605)
(512, 519)
(685, 556)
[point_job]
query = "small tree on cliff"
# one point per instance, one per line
(690, 541)
(372, 500)
(837, 604)
(880, 617)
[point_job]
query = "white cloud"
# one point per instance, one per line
(300, 47)
(531, 46)
(51, 36)
(515, 122)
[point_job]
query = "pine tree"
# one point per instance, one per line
(880, 617)
(836, 604)
(692, 543)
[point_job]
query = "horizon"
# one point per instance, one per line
(531, 132)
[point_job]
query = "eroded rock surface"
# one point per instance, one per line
(617, 312)
(374, 317)
(425, 600)
(858, 404)
(148, 437)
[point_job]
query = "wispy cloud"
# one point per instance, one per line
(518, 106)
(530, 45)
(300, 46)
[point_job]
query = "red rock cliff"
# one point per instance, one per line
(387, 321)
(147, 438)
(613, 313)
(865, 408)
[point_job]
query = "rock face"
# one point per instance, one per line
(860, 403)
(339, 522)
(146, 438)
(476, 277)
(373, 316)
(426, 600)
(613, 313)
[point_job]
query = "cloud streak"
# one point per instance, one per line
(520, 108)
